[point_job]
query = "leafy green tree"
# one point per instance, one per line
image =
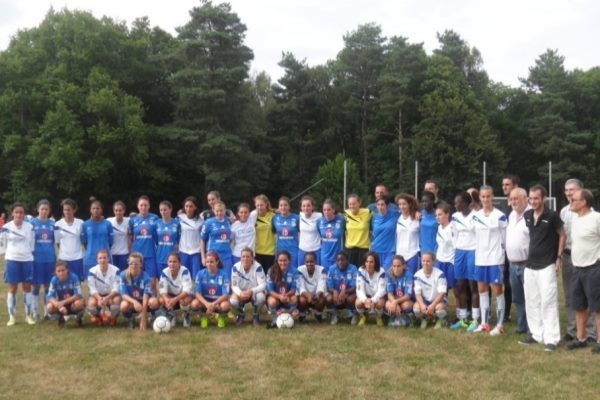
(331, 178)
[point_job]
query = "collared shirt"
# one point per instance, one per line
(543, 238)
(517, 237)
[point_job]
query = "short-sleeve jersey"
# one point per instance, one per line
(288, 282)
(384, 232)
(244, 235)
(317, 283)
(217, 235)
(464, 230)
(253, 279)
(358, 228)
(68, 237)
(332, 236)
(44, 240)
(445, 244)
(212, 286)
(407, 237)
(400, 286)
(103, 283)
(95, 235)
(340, 280)
(373, 286)
(173, 286)
(61, 290)
(286, 231)
(265, 237)
(137, 287)
(310, 240)
(20, 241)
(120, 244)
(430, 286)
(166, 235)
(142, 231)
(429, 227)
(189, 243)
(489, 237)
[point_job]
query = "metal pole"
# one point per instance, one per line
(550, 179)
(416, 179)
(345, 184)
(484, 172)
(399, 149)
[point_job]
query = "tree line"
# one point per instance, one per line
(92, 107)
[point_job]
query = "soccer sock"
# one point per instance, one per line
(11, 302)
(94, 311)
(417, 312)
(441, 314)
(484, 303)
(115, 310)
(273, 312)
(475, 314)
(462, 314)
(360, 311)
(500, 306)
(236, 304)
(28, 299)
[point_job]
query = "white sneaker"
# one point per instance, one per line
(11, 321)
(30, 320)
(354, 319)
(497, 331)
(334, 319)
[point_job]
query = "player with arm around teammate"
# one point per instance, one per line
(400, 294)
(212, 291)
(104, 299)
(64, 297)
(341, 288)
(370, 289)
(430, 293)
(312, 286)
(281, 288)
(176, 290)
(248, 285)
(136, 292)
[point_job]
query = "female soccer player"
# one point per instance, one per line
(430, 293)
(176, 290)
(281, 288)
(429, 225)
(189, 243)
(400, 295)
(141, 233)
(243, 233)
(20, 243)
(341, 288)
(383, 226)
(248, 285)
(332, 227)
(44, 255)
(490, 229)
(285, 227)
(136, 292)
(212, 291)
(64, 297)
(408, 231)
(166, 236)
(312, 287)
(96, 234)
(103, 283)
(444, 257)
(120, 247)
(464, 262)
(370, 289)
(212, 198)
(358, 229)
(262, 216)
(216, 236)
(68, 237)
(310, 240)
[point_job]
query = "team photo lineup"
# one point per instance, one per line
(392, 262)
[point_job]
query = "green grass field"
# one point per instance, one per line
(309, 361)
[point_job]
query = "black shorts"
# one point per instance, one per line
(585, 288)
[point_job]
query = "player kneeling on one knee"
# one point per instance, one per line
(64, 296)
(400, 293)
(281, 287)
(212, 291)
(370, 289)
(341, 287)
(136, 292)
(175, 290)
(430, 292)
(248, 284)
(311, 284)
(104, 300)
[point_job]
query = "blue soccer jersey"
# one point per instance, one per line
(95, 235)
(384, 232)
(135, 287)
(166, 236)
(288, 282)
(44, 240)
(286, 231)
(340, 280)
(217, 236)
(332, 237)
(142, 231)
(400, 286)
(429, 228)
(212, 286)
(61, 290)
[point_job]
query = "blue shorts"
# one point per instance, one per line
(193, 262)
(448, 270)
(120, 261)
(43, 272)
(227, 260)
(492, 274)
(385, 260)
(18, 272)
(413, 264)
(151, 268)
(76, 267)
(464, 264)
(302, 253)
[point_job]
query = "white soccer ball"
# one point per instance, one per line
(161, 325)
(285, 321)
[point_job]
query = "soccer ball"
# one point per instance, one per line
(285, 321)
(161, 325)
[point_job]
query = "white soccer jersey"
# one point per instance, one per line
(373, 286)
(445, 244)
(20, 241)
(120, 244)
(189, 242)
(103, 283)
(407, 237)
(68, 238)
(312, 284)
(464, 231)
(243, 234)
(253, 279)
(490, 233)
(310, 240)
(173, 286)
(430, 286)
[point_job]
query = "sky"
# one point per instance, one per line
(510, 34)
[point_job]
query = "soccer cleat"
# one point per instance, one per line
(221, 322)
(379, 320)
(439, 324)
(231, 315)
(354, 319)
(460, 324)
(497, 331)
(30, 320)
(112, 321)
(576, 344)
(256, 320)
(334, 319)
(173, 321)
(362, 320)
(549, 347)
(61, 322)
(318, 317)
(483, 328)
(473, 326)
(528, 340)
(423, 323)
(239, 320)
(568, 337)
(187, 322)
(11, 321)
(96, 320)
(204, 322)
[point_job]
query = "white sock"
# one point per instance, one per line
(461, 313)
(29, 307)
(484, 303)
(500, 305)
(476, 315)
(11, 302)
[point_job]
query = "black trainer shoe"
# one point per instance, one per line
(528, 340)
(550, 347)
(576, 344)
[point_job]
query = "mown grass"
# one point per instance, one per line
(309, 361)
